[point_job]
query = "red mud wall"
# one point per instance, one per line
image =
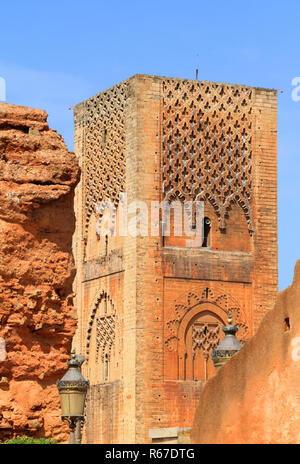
(37, 317)
(255, 397)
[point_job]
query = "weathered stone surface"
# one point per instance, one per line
(255, 398)
(151, 307)
(37, 179)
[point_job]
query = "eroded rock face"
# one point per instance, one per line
(37, 318)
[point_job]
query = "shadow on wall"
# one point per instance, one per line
(255, 397)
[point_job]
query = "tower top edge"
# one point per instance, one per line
(178, 79)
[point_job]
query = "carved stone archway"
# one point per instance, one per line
(196, 330)
(102, 341)
(199, 333)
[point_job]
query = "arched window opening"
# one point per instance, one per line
(201, 335)
(206, 232)
(106, 368)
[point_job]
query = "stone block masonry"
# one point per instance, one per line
(151, 307)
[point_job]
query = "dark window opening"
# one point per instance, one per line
(104, 136)
(106, 245)
(106, 368)
(206, 232)
(287, 323)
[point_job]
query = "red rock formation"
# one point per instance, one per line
(255, 397)
(37, 319)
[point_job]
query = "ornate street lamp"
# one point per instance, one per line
(72, 390)
(228, 346)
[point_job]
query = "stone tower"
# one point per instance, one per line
(150, 304)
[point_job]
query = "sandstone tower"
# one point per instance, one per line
(151, 306)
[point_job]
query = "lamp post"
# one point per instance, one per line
(228, 346)
(72, 390)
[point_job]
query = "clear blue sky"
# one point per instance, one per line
(55, 54)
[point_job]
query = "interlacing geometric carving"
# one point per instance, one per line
(106, 325)
(206, 144)
(105, 337)
(225, 303)
(205, 339)
(104, 160)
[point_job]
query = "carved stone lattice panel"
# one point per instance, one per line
(194, 328)
(223, 303)
(104, 160)
(103, 316)
(205, 337)
(105, 335)
(207, 145)
(103, 341)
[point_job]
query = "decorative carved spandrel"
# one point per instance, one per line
(195, 330)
